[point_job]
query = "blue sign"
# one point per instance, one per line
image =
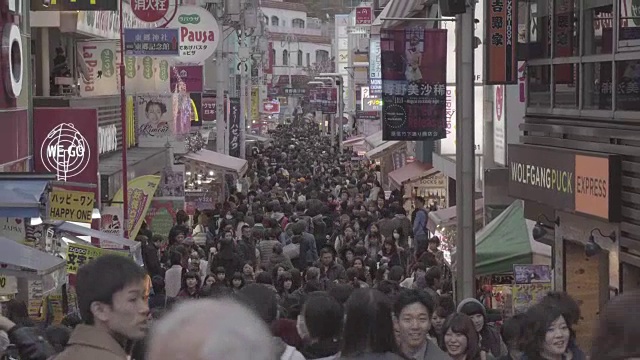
(154, 42)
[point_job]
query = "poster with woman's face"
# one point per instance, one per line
(154, 118)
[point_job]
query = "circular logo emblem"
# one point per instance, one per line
(150, 10)
(65, 151)
(499, 102)
(394, 116)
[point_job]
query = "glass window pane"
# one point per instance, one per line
(628, 88)
(598, 29)
(539, 45)
(566, 28)
(565, 87)
(596, 80)
(629, 24)
(539, 84)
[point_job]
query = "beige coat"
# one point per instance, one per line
(92, 343)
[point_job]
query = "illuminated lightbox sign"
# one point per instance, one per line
(74, 5)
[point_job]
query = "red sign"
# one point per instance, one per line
(271, 107)
(364, 15)
(189, 75)
(12, 56)
(66, 143)
(502, 39)
(150, 10)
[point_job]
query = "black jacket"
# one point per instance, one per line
(30, 344)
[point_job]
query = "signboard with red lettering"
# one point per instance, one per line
(199, 33)
(271, 107)
(364, 15)
(502, 27)
(150, 10)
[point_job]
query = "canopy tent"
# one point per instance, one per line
(448, 216)
(220, 161)
(134, 247)
(399, 176)
(20, 197)
(353, 141)
(257, 138)
(506, 241)
(374, 140)
(396, 9)
(23, 261)
(381, 150)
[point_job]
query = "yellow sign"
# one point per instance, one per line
(141, 191)
(8, 285)
(78, 255)
(131, 123)
(255, 100)
(68, 205)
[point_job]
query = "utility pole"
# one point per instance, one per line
(465, 155)
(221, 124)
(243, 88)
(340, 112)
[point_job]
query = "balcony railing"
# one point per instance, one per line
(287, 30)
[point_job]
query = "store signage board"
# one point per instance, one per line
(199, 33)
(8, 285)
(502, 40)
(74, 5)
(584, 183)
(271, 107)
(150, 10)
(294, 91)
(65, 205)
(364, 15)
(191, 75)
(151, 42)
(234, 127)
(499, 126)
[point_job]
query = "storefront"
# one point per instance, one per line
(391, 155)
(210, 174)
(431, 185)
(582, 191)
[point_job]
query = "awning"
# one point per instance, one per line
(20, 198)
(374, 140)
(356, 140)
(448, 216)
(396, 9)
(506, 241)
(399, 176)
(251, 137)
(134, 246)
(381, 150)
(23, 261)
(221, 161)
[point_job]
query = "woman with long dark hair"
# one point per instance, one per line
(460, 339)
(368, 327)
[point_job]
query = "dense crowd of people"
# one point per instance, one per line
(311, 261)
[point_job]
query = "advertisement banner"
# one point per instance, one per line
(155, 120)
(234, 126)
(146, 74)
(530, 274)
(171, 184)
(12, 228)
(414, 84)
(271, 107)
(152, 42)
(190, 75)
(200, 200)
(99, 63)
(162, 215)
(208, 107)
(65, 205)
(255, 103)
(8, 285)
(78, 255)
(111, 223)
(585, 183)
(364, 15)
(375, 65)
(499, 126)
(524, 295)
(501, 59)
(141, 190)
(66, 143)
(199, 33)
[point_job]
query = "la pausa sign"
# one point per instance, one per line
(198, 33)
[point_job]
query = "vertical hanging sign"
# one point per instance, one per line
(234, 127)
(502, 60)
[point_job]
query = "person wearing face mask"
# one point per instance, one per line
(320, 325)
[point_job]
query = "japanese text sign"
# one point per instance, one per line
(234, 127)
(364, 15)
(502, 28)
(74, 5)
(208, 108)
(294, 91)
(150, 10)
(153, 42)
(329, 99)
(78, 255)
(68, 205)
(414, 93)
(199, 33)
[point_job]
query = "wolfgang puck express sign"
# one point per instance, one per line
(580, 182)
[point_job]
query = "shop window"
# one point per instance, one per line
(538, 26)
(275, 21)
(322, 56)
(598, 30)
(297, 23)
(273, 56)
(565, 87)
(266, 20)
(285, 57)
(628, 34)
(566, 28)
(628, 85)
(596, 81)
(539, 84)
(308, 59)
(299, 57)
